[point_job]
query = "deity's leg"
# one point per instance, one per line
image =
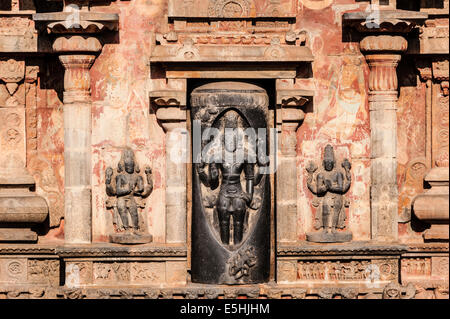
(224, 222)
(337, 210)
(238, 220)
(122, 208)
(326, 215)
(134, 214)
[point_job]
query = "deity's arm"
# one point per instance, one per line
(249, 171)
(139, 188)
(348, 176)
(321, 186)
(261, 170)
(204, 178)
(110, 189)
(210, 179)
(310, 181)
(213, 176)
(149, 187)
(122, 186)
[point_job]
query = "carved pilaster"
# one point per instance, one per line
(171, 114)
(77, 147)
(290, 114)
(383, 96)
(19, 207)
(432, 206)
(77, 54)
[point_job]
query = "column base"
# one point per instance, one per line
(17, 235)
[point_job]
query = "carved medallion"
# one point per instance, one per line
(228, 8)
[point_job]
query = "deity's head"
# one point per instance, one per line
(230, 141)
(230, 136)
(127, 161)
(328, 158)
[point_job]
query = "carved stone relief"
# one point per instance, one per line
(329, 184)
(230, 227)
(127, 189)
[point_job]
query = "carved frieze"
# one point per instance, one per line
(232, 8)
(43, 271)
(355, 270)
(121, 273)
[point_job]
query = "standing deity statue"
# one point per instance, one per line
(231, 195)
(127, 190)
(329, 185)
(232, 201)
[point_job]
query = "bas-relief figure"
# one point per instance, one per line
(231, 223)
(232, 201)
(127, 189)
(329, 186)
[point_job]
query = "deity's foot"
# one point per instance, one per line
(130, 238)
(333, 237)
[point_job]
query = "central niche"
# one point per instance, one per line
(231, 186)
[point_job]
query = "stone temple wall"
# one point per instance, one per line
(90, 87)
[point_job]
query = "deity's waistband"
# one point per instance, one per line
(231, 179)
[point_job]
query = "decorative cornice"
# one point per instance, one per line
(76, 22)
(121, 251)
(384, 21)
(26, 249)
(428, 248)
(356, 248)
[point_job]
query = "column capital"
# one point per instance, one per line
(291, 102)
(170, 104)
(77, 79)
(383, 44)
(76, 43)
(171, 118)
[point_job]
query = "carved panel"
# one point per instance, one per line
(355, 270)
(232, 8)
(416, 267)
(42, 271)
(17, 34)
(13, 270)
(112, 273)
(440, 267)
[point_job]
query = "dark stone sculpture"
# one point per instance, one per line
(329, 185)
(126, 189)
(230, 223)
